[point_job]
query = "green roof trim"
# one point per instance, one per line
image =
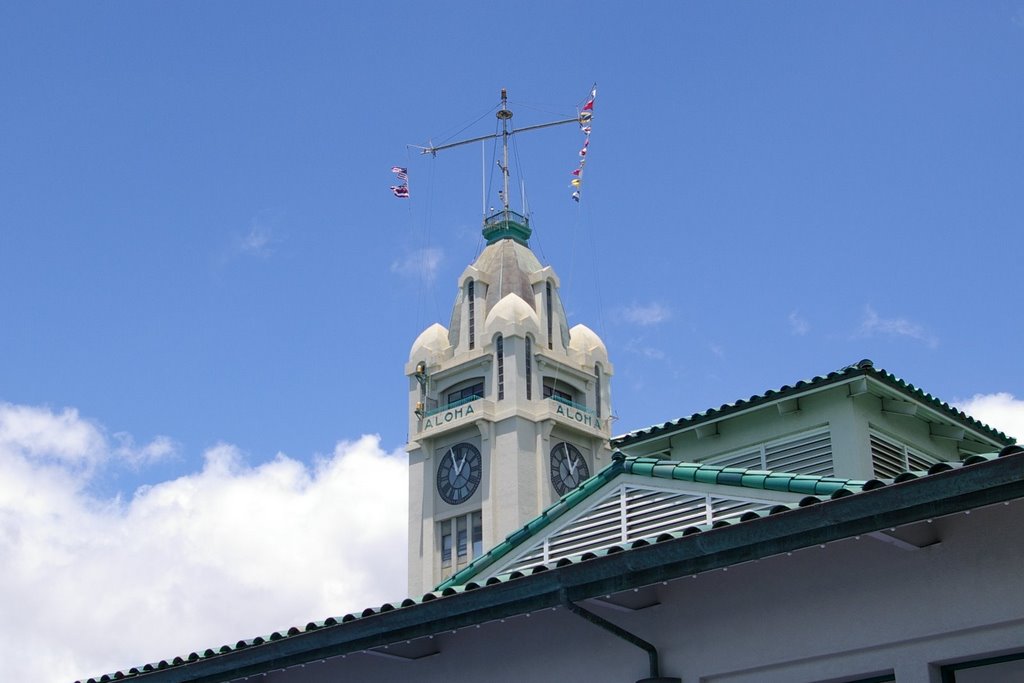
(864, 368)
(807, 484)
(559, 508)
(655, 468)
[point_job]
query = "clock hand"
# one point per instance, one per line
(451, 452)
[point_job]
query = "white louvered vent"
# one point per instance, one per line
(729, 509)
(600, 528)
(649, 513)
(809, 453)
(750, 460)
(890, 458)
(631, 513)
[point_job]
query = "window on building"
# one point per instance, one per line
(597, 390)
(988, 670)
(466, 392)
(500, 353)
(446, 543)
(470, 289)
(478, 534)
(529, 369)
(461, 541)
(559, 393)
(547, 302)
(460, 538)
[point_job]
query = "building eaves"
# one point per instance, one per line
(864, 368)
(947, 489)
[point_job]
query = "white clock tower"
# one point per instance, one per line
(508, 408)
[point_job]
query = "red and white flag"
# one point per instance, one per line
(401, 191)
(589, 106)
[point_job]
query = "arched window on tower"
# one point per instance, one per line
(529, 368)
(470, 290)
(550, 307)
(597, 390)
(499, 351)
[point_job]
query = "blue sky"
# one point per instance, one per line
(204, 277)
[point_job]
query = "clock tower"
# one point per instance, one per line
(508, 407)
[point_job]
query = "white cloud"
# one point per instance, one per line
(39, 433)
(232, 551)
(65, 439)
(1001, 410)
(256, 242)
(798, 325)
(160, 448)
(638, 347)
(423, 264)
(646, 314)
(873, 324)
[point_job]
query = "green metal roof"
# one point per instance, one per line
(945, 489)
(865, 368)
(809, 485)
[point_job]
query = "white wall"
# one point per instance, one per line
(855, 607)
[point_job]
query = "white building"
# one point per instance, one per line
(507, 408)
(846, 528)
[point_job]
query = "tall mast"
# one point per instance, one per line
(504, 115)
(506, 223)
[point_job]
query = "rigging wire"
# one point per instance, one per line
(540, 108)
(427, 294)
(469, 125)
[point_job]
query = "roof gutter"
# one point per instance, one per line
(619, 632)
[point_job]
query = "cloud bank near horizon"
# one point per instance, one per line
(92, 585)
(1000, 410)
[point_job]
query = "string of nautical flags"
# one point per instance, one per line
(401, 191)
(586, 114)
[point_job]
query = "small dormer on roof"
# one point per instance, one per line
(431, 344)
(586, 347)
(512, 317)
(858, 422)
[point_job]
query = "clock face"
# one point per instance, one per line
(458, 473)
(568, 468)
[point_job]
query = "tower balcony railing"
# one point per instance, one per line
(500, 217)
(507, 224)
(572, 404)
(453, 404)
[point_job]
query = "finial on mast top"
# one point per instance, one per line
(504, 112)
